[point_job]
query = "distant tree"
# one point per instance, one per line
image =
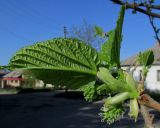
(148, 7)
(4, 67)
(30, 79)
(86, 33)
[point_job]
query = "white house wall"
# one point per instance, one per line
(151, 79)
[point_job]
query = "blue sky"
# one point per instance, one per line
(24, 22)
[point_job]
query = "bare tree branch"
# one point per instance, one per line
(156, 31)
(148, 118)
(148, 5)
(137, 6)
(145, 7)
(148, 101)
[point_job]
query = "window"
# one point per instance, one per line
(158, 75)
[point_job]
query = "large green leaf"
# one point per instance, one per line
(60, 61)
(110, 50)
(146, 58)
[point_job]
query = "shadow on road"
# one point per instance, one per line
(47, 110)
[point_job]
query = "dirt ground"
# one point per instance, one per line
(47, 110)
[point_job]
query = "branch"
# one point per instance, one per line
(148, 118)
(146, 100)
(149, 6)
(136, 7)
(156, 31)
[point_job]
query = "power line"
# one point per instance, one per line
(27, 9)
(15, 34)
(36, 19)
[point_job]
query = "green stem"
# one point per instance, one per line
(117, 99)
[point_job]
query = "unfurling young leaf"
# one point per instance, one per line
(99, 31)
(89, 91)
(134, 109)
(112, 114)
(110, 50)
(146, 58)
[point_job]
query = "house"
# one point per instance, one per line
(19, 78)
(153, 77)
(12, 79)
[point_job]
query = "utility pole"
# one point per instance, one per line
(65, 31)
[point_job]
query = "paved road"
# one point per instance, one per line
(45, 110)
